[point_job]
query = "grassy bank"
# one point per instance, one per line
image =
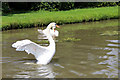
(39, 18)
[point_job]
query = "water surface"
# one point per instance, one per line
(82, 51)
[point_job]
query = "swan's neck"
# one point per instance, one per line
(50, 39)
(48, 27)
(52, 42)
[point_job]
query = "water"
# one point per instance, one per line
(81, 52)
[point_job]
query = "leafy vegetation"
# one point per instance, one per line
(110, 33)
(51, 6)
(69, 39)
(41, 18)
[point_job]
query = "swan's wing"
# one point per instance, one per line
(30, 47)
(40, 31)
(42, 36)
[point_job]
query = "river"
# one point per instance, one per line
(83, 50)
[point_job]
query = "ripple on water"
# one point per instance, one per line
(114, 41)
(112, 60)
(77, 73)
(21, 76)
(59, 65)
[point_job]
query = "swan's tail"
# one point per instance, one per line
(19, 44)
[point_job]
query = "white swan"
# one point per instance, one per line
(53, 32)
(42, 54)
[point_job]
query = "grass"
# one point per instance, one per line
(40, 18)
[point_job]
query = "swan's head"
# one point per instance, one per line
(53, 25)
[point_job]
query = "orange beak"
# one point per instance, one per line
(57, 26)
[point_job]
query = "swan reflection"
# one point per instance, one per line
(34, 70)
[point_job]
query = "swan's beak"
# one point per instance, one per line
(57, 26)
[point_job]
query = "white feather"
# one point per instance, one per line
(42, 54)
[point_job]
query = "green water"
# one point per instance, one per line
(82, 51)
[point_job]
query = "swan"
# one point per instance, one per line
(42, 54)
(53, 32)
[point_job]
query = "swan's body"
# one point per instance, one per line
(42, 54)
(53, 32)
